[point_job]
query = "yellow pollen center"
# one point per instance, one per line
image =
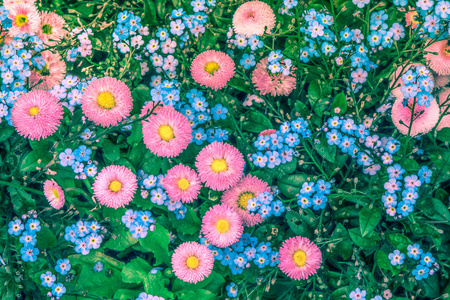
(55, 193)
(106, 100)
(300, 258)
(183, 184)
(243, 199)
(115, 186)
(212, 67)
(21, 20)
(166, 132)
(34, 111)
(222, 226)
(219, 165)
(192, 262)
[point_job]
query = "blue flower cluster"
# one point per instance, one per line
(409, 193)
(426, 266)
(417, 83)
(265, 206)
(279, 145)
(139, 222)
(232, 290)
(314, 194)
(48, 280)
(242, 42)
(277, 65)
(145, 296)
(85, 47)
(346, 134)
(70, 91)
(98, 267)
(152, 186)
(77, 160)
(27, 237)
(435, 20)
(239, 255)
(84, 235)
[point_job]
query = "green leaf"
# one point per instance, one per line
(45, 238)
(239, 84)
(383, 260)
(189, 225)
(140, 95)
(369, 218)
(426, 229)
(149, 12)
(363, 242)
(444, 134)
(136, 271)
(98, 284)
(441, 158)
(314, 92)
(291, 185)
(125, 294)
(154, 284)
(36, 158)
(340, 101)
(93, 257)
(111, 151)
(198, 294)
(157, 241)
(436, 210)
(257, 122)
(326, 151)
(121, 239)
(344, 247)
(136, 136)
(5, 131)
(301, 108)
(301, 224)
(399, 241)
(286, 169)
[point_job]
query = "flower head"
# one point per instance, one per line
(440, 62)
(212, 69)
(54, 194)
(182, 183)
(51, 29)
(252, 18)
(192, 262)
(25, 19)
(222, 226)
(276, 84)
(52, 73)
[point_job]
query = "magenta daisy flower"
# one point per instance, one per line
(253, 17)
(212, 69)
(167, 133)
(237, 197)
(51, 29)
(424, 118)
(440, 62)
(219, 165)
(192, 262)
(25, 19)
(54, 194)
(274, 84)
(107, 101)
(115, 186)
(222, 226)
(182, 183)
(51, 74)
(36, 114)
(299, 258)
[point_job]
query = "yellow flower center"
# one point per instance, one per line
(447, 50)
(106, 100)
(166, 132)
(219, 165)
(34, 111)
(243, 199)
(115, 186)
(212, 67)
(183, 184)
(192, 262)
(300, 258)
(222, 226)
(21, 20)
(55, 193)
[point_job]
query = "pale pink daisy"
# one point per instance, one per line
(182, 183)
(54, 194)
(107, 101)
(192, 262)
(274, 84)
(444, 101)
(51, 29)
(51, 74)
(237, 198)
(167, 133)
(25, 19)
(424, 119)
(9, 3)
(219, 165)
(222, 225)
(252, 18)
(439, 62)
(212, 69)
(37, 114)
(115, 186)
(442, 80)
(299, 258)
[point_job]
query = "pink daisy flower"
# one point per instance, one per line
(440, 62)
(237, 197)
(51, 74)
(444, 101)
(107, 101)
(219, 165)
(54, 194)
(274, 84)
(182, 183)
(151, 105)
(212, 69)
(222, 226)
(267, 132)
(442, 80)
(252, 18)
(25, 19)
(425, 118)
(410, 18)
(115, 186)
(192, 262)
(299, 258)
(167, 133)
(36, 114)
(51, 29)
